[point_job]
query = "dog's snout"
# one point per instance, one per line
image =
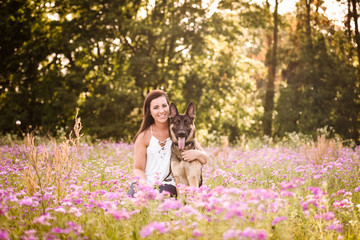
(181, 133)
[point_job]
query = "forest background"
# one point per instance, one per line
(250, 70)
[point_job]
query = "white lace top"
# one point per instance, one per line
(158, 161)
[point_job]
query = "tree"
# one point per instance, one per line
(272, 64)
(23, 46)
(355, 17)
(316, 93)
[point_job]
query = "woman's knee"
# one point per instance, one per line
(131, 192)
(166, 187)
(169, 188)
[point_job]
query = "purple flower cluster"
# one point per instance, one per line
(247, 233)
(153, 226)
(245, 195)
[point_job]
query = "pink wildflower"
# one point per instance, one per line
(29, 235)
(60, 209)
(236, 211)
(78, 200)
(151, 227)
(4, 235)
(293, 183)
(278, 219)
(345, 203)
(344, 192)
(122, 214)
(27, 201)
(287, 194)
(57, 230)
(169, 204)
(197, 233)
(232, 233)
(75, 211)
(44, 219)
(248, 232)
(341, 191)
(317, 191)
(218, 189)
(3, 209)
(317, 176)
(49, 236)
(335, 226)
(254, 233)
(189, 210)
(77, 229)
(144, 194)
(328, 216)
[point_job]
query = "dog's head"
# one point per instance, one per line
(182, 128)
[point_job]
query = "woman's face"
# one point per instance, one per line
(159, 109)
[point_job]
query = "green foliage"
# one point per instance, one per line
(103, 57)
(317, 80)
(243, 190)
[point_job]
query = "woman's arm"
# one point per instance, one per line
(197, 154)
(140, 158)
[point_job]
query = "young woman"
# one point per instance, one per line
(152, 149)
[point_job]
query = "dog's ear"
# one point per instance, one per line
(173, 110)
(191, 110)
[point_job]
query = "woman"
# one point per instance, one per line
(152, 149)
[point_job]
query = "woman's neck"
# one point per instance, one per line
(161, 132)
(161, 126)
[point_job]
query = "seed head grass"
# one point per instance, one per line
(77, 190)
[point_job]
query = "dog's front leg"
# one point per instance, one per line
(178, 171)
(193, 169)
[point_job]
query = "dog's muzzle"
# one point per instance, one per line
(181, 134)
(181, 139)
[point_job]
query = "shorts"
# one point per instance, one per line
(165, 187)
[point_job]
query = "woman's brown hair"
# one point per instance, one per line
(147, 118)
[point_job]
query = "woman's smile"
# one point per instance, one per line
(159, 109)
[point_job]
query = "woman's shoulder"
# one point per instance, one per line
(144, 137)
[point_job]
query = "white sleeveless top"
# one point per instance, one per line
(158, 161)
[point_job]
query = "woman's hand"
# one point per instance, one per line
(191, 155)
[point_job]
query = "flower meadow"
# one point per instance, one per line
(52, 190)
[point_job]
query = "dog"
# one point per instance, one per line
(182, 133)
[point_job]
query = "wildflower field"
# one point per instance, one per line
(75, 190)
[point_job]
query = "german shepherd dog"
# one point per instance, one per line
(182, 133)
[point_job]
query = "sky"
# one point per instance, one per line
(334, 10)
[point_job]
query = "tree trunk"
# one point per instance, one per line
(308, 22)
(348, 21)
(348, 27)
(357, 37)
(270, 86)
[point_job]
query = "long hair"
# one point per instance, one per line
(147, 118)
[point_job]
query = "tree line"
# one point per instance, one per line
(249, 70)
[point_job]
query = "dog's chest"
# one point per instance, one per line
(176, 152)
